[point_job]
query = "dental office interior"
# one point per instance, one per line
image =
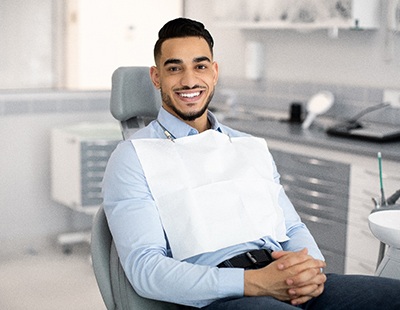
(319, 80)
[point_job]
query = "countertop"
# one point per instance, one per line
(273, 126)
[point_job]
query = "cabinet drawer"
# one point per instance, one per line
(303, 182)
(94, 158)
(329, 234)
(332, 212)
(335, 262)
(311, 166)
(331, 206)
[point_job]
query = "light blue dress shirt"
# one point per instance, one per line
(142, 245)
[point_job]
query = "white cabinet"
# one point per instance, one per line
(79, 155)
(299, 14)
(361, 247)
(102, 35)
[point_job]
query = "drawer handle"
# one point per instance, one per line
(311, 193)
(309, 180)
(95, 174)
(315, 162)
(100, 164)
(98, 153)
(92, 195)
(315, 219)
(313, 206)
(93, 185)
(101, 143)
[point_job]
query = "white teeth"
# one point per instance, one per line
(190, 95)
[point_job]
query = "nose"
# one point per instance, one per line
(189, 78)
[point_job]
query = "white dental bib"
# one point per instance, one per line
(212, 191)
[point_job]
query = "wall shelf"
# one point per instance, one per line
(257, 15)
(290, 26)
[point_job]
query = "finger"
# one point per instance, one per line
(307, 290)
(279, 254)
(300, 299)
(288, 259)
(306, 277)
(311, 263)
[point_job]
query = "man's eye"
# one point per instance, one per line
(173, 69)
(201, 67)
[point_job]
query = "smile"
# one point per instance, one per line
(189, 95)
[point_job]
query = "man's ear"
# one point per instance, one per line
(216, 73)
(155, 78)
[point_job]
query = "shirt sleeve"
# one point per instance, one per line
(142, 247)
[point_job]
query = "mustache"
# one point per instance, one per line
(190, 88)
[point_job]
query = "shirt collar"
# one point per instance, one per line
(179, 128)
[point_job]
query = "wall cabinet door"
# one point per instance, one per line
(102, 35)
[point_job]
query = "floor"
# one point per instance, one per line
(49, 281)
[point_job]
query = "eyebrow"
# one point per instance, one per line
(179, 61)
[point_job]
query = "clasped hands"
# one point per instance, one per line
(294, 277)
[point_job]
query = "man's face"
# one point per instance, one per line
(186, 76)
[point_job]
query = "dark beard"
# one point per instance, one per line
(186, 116)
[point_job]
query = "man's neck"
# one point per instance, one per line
(200, 124)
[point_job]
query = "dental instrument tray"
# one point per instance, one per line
(366, 131)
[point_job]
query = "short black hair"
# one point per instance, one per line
(181, 28)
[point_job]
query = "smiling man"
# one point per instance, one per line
(186, 78)
(196, 210)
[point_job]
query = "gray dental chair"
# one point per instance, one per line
(134, 101)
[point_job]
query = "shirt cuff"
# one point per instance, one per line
(231, 282)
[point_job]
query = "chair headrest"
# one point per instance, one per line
(133, 94)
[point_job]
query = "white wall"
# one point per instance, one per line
(26, 56)
(355, 58)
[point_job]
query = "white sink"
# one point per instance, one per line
(385, 225)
